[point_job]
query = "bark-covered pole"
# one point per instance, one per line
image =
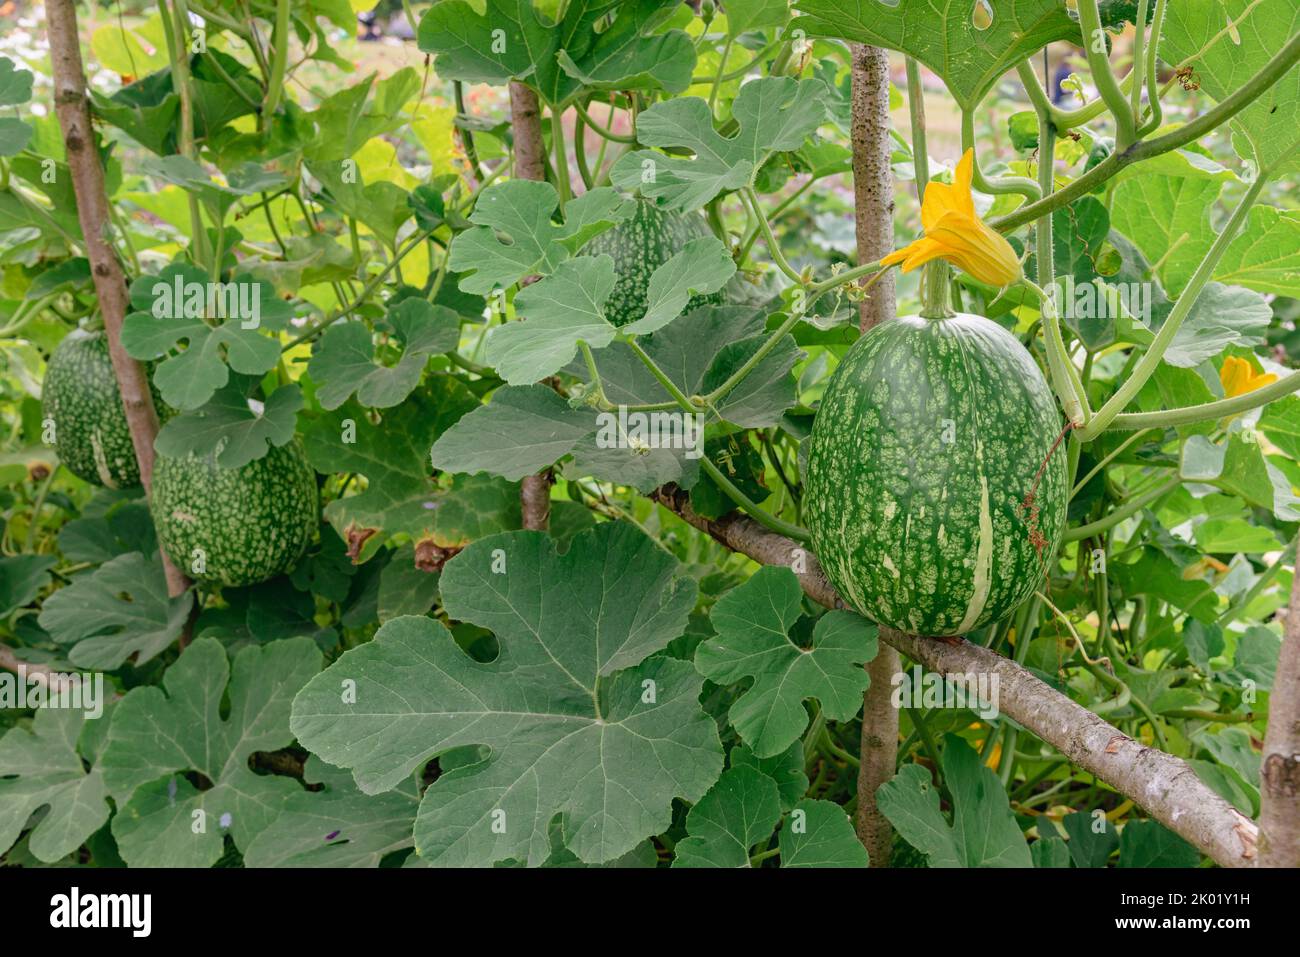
(873, 195)
(530, 163)
(1165, 786)
(1279, 791)
(73, 109)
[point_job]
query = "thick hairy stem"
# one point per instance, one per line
(176, 27)
(279, 59)
(530, 163)
(1279, 776)
(1208, 410)
(92, 211)
(1277, 67)
(873, 181)
(873, 195)
(1094, 43)
(1165, 786)
(1019, 185)
(916, 113)
(1154, 354)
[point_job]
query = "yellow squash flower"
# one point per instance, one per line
(1239, 377)
(954, 232)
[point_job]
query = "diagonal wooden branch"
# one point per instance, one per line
(37, 673)
(1279, 792)
(873, 211)
(11, 662)
(73, 109)
(1163, 785)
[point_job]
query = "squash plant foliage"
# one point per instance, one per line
(373, 305)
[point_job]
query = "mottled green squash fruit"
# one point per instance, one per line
(639, 245)
(81, 398)
(235, 526)
(934, 498)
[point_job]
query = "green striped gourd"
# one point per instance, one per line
(927, 445)
(639, 245)
(235, 526)
(80, 397)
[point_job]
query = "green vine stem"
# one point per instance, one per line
(916, 116)
(1139, 63)
(1119, 450)
(773, 247)
(662, 377)
(739, 71)
(223, 21)
(747, 505)
(366, 292)
(174, 24)
(1126, 510)
(1209, 410)
(602, 131)
(279, 59)
(752, 234)
(1155, 112)
(1228, 107)
(722, 69)
(1182, 308)
(936, 290)
(1094, 45)
(37, 505)
(752, 362)
(1044, 250)
(1064, 119)
(580, 154)
(565, 188)
(1018, 185)
(466, 134)
(1266, 577)
(596, 383)
(229, 80)
(817, 289)
(255, 42)
(1060, 367)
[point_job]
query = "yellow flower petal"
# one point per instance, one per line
(978, 250)
(962, 177)
(954, 232)
(915, 254)
(1238, 377)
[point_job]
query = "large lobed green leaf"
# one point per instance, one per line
(579, 723)
(753, 622)
(1225, 43)
(120, 611)
(775, 114)
(983, 832)
(946, 35)
(160, 735)
(43, 768)
(401, 496)
(515, 234)
(500, 40)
